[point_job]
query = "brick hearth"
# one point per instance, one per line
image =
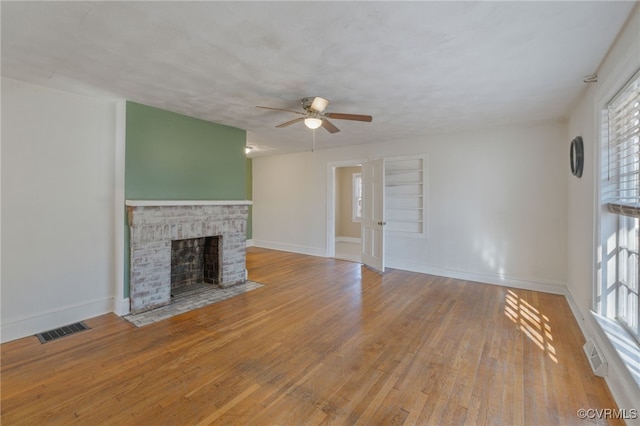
(154, 224)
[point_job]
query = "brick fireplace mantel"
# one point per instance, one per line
(154, 224)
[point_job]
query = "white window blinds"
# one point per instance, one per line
(623, 119)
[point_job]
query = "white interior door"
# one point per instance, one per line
(372, 214)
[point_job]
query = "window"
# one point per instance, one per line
(617, 296)
(356, 204)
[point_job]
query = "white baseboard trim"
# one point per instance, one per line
(122, 307)
(349, 240)
(29, 325)
(545, 287)
(313, 251)
(502, 280)
(250, 243)
(580, 319)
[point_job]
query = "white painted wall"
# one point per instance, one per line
(497, 204)
(622, 61)
(58, 153)
(288, 204)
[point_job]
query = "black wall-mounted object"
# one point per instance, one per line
(576, 156)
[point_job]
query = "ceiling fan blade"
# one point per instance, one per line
(319, 104)
(354, 117)
(289, 123)
(329, 126)
(280, 109)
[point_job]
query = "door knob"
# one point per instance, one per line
(382, 223)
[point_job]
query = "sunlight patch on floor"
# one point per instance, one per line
(531, 322)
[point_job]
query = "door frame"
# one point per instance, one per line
(330, 241)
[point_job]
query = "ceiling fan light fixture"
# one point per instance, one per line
(312, 122)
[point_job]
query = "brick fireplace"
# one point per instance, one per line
(157, 225)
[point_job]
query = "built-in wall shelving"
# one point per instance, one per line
(405, 196)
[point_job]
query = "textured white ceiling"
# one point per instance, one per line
(418, 67)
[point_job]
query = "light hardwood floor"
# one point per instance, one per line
(324, 342)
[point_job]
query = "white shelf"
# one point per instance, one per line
(400, 172)
(403, 183)
(405, 189)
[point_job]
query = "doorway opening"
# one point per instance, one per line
(371, 205)
(348, 213)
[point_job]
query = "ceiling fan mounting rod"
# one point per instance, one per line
(306, 102)
(315, 103)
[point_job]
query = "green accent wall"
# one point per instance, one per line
(169, 156)
(174, 157)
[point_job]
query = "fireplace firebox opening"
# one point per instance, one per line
(195, 260)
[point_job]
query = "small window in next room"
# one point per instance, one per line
(617, 295)
(357, 197)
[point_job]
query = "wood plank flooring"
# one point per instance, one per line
(324, 342)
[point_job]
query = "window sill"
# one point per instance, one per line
(624, 344)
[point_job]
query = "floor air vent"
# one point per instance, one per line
(596, 360)
(50, 335)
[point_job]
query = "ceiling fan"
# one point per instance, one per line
(314, 115)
